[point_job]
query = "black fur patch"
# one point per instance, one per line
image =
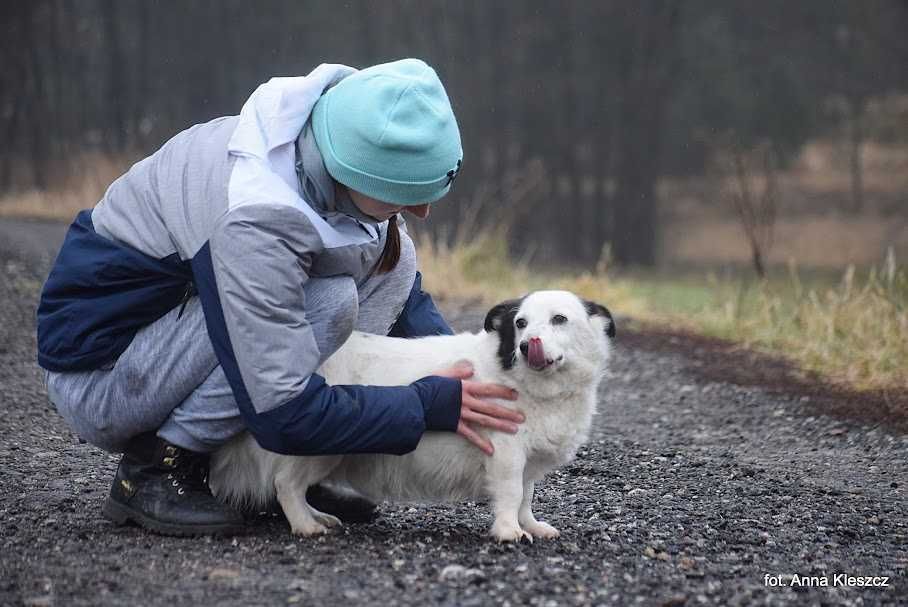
(594, 309)
(500, 319)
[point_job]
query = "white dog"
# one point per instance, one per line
(550, 346)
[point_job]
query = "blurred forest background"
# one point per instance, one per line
(653, 132)
(738, 169)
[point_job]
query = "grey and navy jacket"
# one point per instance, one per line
(218, 211)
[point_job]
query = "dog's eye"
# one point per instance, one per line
(521, 323)
(558, 319)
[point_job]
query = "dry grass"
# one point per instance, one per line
(81, 187)
(480, 269)
(854, 332)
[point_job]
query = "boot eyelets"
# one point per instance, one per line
(175, 483)
(180, 492)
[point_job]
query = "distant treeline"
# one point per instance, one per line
(569, 110)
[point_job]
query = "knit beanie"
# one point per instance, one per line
(389, 132)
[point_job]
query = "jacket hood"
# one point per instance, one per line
(276, 112)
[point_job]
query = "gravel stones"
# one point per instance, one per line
(689, 492)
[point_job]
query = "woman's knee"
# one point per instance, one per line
(332, 307)
(88, 420)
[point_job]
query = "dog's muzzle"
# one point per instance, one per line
(533, 351)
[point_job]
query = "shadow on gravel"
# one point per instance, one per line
(719, 360)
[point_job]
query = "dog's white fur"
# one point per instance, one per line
(559, 402)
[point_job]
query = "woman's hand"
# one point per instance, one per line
(477, 409)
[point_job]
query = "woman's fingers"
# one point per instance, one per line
(488, 422)
(492, 410)
(460, 370)
(471, 435)
(477, 409)
(477, 388)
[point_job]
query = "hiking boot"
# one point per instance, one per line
(164, 488)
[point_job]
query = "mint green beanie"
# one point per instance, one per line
(389, 132)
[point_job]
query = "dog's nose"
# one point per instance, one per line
(525, 345)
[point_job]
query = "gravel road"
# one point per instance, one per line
(690, 491)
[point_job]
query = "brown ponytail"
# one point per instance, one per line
(390, 255)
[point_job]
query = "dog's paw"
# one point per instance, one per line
(542, 529)
(308, 529)
(509, 533)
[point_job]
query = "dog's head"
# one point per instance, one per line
(551, 331)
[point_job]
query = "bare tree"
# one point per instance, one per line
(753, 193)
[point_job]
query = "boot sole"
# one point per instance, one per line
(122, 515)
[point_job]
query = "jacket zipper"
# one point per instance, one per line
(187, 295)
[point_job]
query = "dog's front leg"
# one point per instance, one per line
(504, 474)
(291, 481)
(528, 521)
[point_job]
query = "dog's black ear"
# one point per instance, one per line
(594, 309)
(497, 314)
(500, 319)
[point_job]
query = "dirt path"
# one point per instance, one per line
(690, 491)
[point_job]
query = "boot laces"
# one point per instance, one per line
(190, 473)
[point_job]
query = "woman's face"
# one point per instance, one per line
(383, 210)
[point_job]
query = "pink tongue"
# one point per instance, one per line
(535, 354)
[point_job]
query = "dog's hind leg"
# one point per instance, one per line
(291, 483)
(528, 521)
